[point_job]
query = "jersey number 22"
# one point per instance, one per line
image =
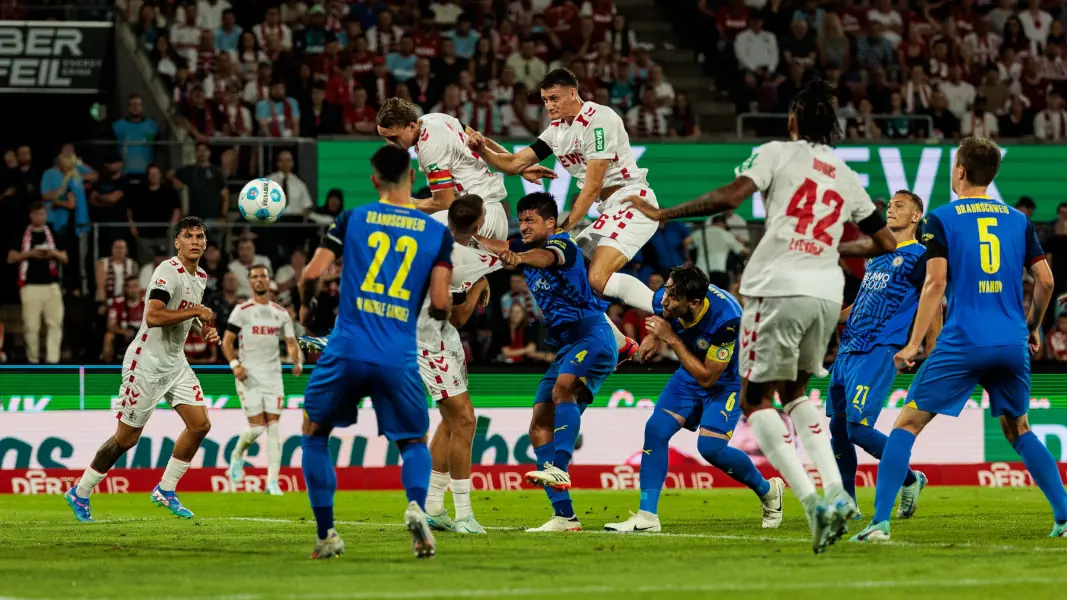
(381, 242)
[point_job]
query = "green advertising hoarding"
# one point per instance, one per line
(681, 171)
(33, 390)
(1050, 426)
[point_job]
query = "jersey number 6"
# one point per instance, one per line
(802, 206)
(381, 242)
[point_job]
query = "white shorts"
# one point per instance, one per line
(620, 226)
(141, 393)
(258, 397)
(444, 373)
(494, 227)
(783, 335)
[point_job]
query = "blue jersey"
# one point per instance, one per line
(562, 291)
(388, 253)
(988, 246)
(713, 333)
(885, 305)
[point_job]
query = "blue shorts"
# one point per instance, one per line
(947, 378)
(859, 384)
(590, 359)
(717, 409)
(339, 383)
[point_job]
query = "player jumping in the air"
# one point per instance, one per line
(155, 368)
(257, 365)
(394, 255)
(699, 322)
(590, 141)
(795, 289)
(586, 354)
(984, 246)
(444, 371)
(453, 169)
(877, 327)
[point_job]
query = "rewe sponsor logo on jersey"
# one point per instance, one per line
(39, 56)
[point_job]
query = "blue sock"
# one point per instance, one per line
(1043, 469)
(415, 472)
(733, 462)
(561, 500)
(891, 473)
(873, 441)
(320, 478)
(659, 429)
(565, 436)
(844, 453)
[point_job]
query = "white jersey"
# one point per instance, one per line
(468, 266)
(597, 133)
(808, 193)
(159, 351)
(449, 163)
(258, 326)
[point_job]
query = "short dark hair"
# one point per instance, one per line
(1026, 202)
(204, 144)
(391, 164)
(133, 95)
(915, 199)
(541, 202)
(131, 278)
(561, 77)
(397, 113)
(36, 206)
(188, 223)
(813, 109)
(980, 159)
(1061, 205)
(258, 266)
(465, 211)
(687, 283)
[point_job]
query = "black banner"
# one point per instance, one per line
(54, 57)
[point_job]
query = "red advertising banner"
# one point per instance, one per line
(484, 478)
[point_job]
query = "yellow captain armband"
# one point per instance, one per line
(721, 353)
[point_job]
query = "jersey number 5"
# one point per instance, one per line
(990, 245)
(381, 242)
(802, 206)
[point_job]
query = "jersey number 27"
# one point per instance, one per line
(802, 206)
(381, 242)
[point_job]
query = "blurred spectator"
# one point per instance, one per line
(897, 126)
(39, 258)
(878, 90)
(1051, 123)
(146, 29)
(648, 119)
(226, 298)
(587, 40)
(111, 272)
(446, 12)
(917, 91)
(519, 293)
(272, 27)
(360, 118)
(757, 50)
(1053, 67)
(484, 115)
(381, 85)
(1015, 38)
(20, 189)
(912, 52)
(185, 35)
(427, 37)
(996, 93)
(206, 54)
(791, 86)
(279, 115)
(208, 196)
(519, 338)
(158, 255)
(875, 50)
(312, 38)
(1026, 206)
(289, 275)
(236, 118)
(601, 11)
(385, 36)
(889, 19)
(63, 192)
(529, 69)
(246, 259)
(213, 266)
(484, 63)
(153, 202)
(125, 312)
(863, 125)
(107, 201)
(623, 40)
(656, 82)
(328, 62)
(320, 117)
(1017, 122)
(299, 202)
(465, 38)
(984, 46)
(198, 351)
(422, 87)
(683, 120)
(960, 94)
(800, 45)
(223, 78)
(667, 245)
(979, 122)
(713, 245)
(519, 116)
(834, 46)
(999, 15)
(136, 134)
(1056, 340)
(451, 104)
(1009, 69)
(1032, 85)
(166, 60)
(202, 117)
(330, 209)
(228, 34)
(1036, 23)
(939, 62)
(254, 66)
(401, 62)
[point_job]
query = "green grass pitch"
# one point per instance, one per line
(967, 543)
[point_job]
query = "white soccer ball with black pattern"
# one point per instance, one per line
(261, 201)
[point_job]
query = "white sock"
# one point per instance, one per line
(435, 496)
(90, 479)
(175, 469)
(630, 290)
(461, 496)
(777, 445)
(248, 437)
(620, 339)
(816, 441)
(274, 451)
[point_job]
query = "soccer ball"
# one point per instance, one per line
(261, 201)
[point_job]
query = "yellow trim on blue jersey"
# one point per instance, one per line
(700, 315)
(975, 198)
(906, 243)
(384, 201)
(722, 354)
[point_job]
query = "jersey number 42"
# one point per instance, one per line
(802, 206)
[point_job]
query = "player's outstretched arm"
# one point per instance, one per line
(440, 292)
(510, 164)
(533, 174)
(880, 242)
(727, 197)
(537, 258)
(497, 247)
(463, 311)
(158, 315)
(439, 200)
(594, 183)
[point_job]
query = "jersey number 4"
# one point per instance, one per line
(802, 206)
(381, 242)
